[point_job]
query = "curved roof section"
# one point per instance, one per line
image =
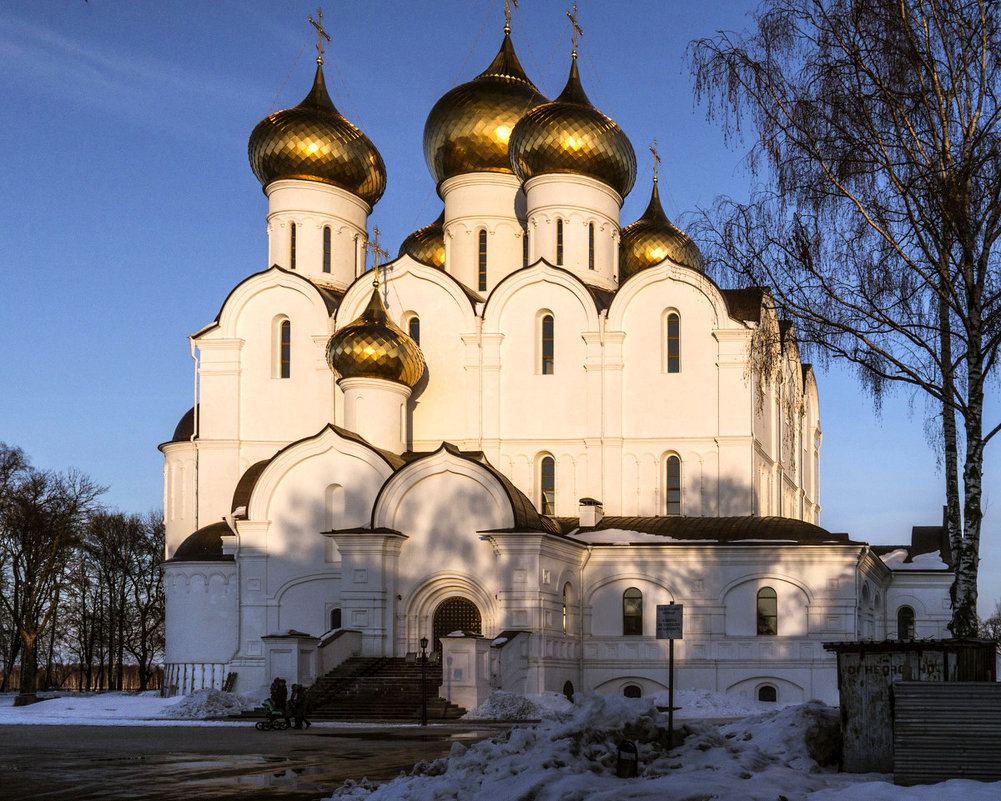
(205, 545)
(185, 428)
(602, 298)
(248, 481)
(717, 530)
(331, 297)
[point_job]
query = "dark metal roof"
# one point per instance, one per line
(722, 530)
(924, 539)
(744, 304)
(185, 428)
(241, 496)
(205, 545)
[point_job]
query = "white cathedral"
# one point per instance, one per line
(516, 439)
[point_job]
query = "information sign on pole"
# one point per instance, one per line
(669, 621)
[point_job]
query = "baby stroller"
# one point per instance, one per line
(274, 720)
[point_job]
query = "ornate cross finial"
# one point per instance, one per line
(507, 15)
(576, 30)
(656, 159)
(377, 252)
(320, 34)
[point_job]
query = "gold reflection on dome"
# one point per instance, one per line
(653, 238)
(314, 142)
(427, 244)
(570, 135)
(373, 346)
(469, 127)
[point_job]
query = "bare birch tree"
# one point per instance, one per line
(875, 129)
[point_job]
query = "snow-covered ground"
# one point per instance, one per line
(783, 754)
(768, 753)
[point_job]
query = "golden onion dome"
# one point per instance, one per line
(314, 142)
(373, 346)
(427, 244)
(570, 135)
(468, 128)
(653, 238)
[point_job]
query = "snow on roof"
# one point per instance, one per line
(896, 560)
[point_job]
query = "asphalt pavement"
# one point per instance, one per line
(80, 763)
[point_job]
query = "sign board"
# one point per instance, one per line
(669, 621)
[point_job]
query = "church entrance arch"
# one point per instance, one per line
(455, 614)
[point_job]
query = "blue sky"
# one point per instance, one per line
(129, 209)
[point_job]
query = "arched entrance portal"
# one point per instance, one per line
(455, 614)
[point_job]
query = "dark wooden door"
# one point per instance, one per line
(455, 614)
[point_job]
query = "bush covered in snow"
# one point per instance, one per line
(203, 704)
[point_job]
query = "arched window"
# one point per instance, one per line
(524, 248)
(673, 343)
(673, 485)
(590, 246)
(632, 612)
(568, 690)
(768, 611)
(632, 691)
(335, 618)
(414, 329)
(566, 607)
(326, 248)
(284, 350)
(559, 243)
(768, 694)
(547, 484)
(291, 247)
(548, 348)
(905, 623)
(482, 274)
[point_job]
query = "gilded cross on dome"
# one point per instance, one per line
(656, 159)
(320, 34)
(507, 14)
(377, 252)
(576, 30)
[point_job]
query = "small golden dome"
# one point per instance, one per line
(373, 346)
(469, 127)
(570, 135)
(653, 238)
(427, 244)
(314, 142)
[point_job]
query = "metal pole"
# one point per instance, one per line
(670, 694)
(424, 694)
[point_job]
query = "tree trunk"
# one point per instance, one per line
(29, 667)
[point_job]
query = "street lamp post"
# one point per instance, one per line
(424, 671)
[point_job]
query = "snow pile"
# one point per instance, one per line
(708, 704)
(781, 754)
(502, 705)
(203, 704)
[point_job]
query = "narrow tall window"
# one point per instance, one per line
(326, 248)
(673, 343)
(673, 485)
(285, 357)
(547, 483)
(548, 360)
(524, 249)
(291, 247)
(768, 611)
(414, 329)
(559, 243)
(905, 623)
(632, 612)
(335, 619)
(482, 281)
(590, 246)
(566, 607)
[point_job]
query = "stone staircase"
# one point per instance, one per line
(377, 689)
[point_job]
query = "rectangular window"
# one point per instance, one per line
(291, 247)
(590, 246)
(673, 485)
(286, 350)
(673, 343)
(482, 281)
(326, 248)
(559, 243)
(548, 346)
